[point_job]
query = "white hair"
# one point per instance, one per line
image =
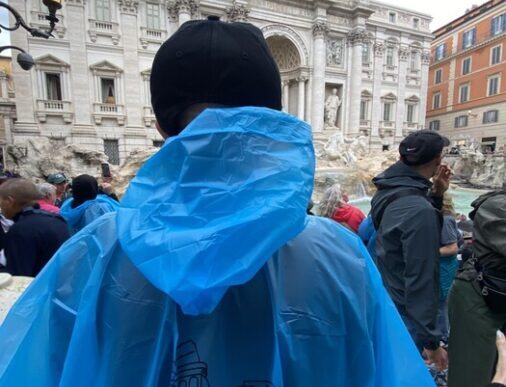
(46, 189)
(331, 199)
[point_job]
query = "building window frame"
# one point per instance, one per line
(366, 53)
(438, 76)
(153, 16)
(490, 116)
(440, 52)
(464, 92)
(111, 149)
(416, 23)
(434, 125)
(461, 121)
(392, 17)
(390, 56)
(103, 10)
(498, 24)
(469, 60)
(493, 90)
(494, 57)
(414, 60)
(436, 97)
(469, 38)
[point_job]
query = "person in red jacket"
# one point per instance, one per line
(334, 205)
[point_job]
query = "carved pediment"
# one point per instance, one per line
(413, 99)
(106, 66)
(50, 60)
(389, 97)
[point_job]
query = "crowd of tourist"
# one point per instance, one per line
(213, 271)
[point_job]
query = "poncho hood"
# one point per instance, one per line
(211, 207)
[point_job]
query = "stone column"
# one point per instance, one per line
(185, 8)
(24, 80)
(355, 39)
(286, 96)
(424, 80)
(320, 30)
(401, 93)
(302, 97)
(132, 78)
(79, 81)
(376, 112)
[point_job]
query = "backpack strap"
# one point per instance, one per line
(397, 195)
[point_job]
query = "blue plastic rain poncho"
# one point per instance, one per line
(210, 274)
(79, 217)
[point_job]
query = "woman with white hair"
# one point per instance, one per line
(334, 205)
(48, 192)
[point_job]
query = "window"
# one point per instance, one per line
(365, 54)
(434, 125)
(416, 23)
(490, 116)
(153, 16)
(463, 93)
(466, 66)
(103, 10)
(53, 87)
(488, 144)
(460, 121)
(438, 76)
(493, 85)
(498, 24)
(469, 38)
(392, 17)
(410, 114)
(158, 143)
(436, 101)
(387, 111)
(108, 90)
(414, 61)
(441, 51)
(363, 110)
(495, 56)
(390, 56)
(111, 149)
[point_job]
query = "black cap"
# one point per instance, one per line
(209, 61)
(421, 147)
(84, 188)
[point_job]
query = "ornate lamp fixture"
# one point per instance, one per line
(24, 59)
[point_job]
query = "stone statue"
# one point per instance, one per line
(332, 105)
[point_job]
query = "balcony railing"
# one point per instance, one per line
(54, 108)
(365, 123)
(38, 20)
(151, 35)
(387, 124)
(104, 28)
(108, 110)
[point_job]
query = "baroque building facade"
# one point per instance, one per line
(356, 66)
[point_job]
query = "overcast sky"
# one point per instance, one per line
(443, 11)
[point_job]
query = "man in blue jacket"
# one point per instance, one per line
(405, 211)
(211, 273)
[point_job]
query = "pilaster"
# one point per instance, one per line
(320, 30)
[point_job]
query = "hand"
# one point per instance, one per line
(500, 372)
(107, 188)
(441, 180)
(438, 357)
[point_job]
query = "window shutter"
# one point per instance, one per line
(474, 36)
(456, 122)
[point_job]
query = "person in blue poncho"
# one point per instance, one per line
(211, 273)
(86, 204)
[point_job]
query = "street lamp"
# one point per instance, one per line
(24, 59)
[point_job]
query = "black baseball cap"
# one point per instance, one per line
(422, 146)
(209, 61)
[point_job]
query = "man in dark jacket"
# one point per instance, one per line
(35, 236)
(405, 213)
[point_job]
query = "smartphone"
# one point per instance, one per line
(106, 171)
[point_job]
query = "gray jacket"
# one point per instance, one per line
(407, 249)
